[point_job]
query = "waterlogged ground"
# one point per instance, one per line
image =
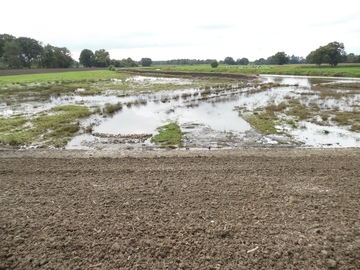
(279, 111)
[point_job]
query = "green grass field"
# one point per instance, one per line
(76, 76)
(342, 70)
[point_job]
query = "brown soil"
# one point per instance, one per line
(237, 209)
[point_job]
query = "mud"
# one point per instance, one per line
(229, 209)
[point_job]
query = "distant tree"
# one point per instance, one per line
(296, 59)
(351, 58)
(12, 54)
(242, 61)
(280, 58)
(63, 57)
(146, 62)
(229, 61)
(317, 57)
(333, 53)
(128, 62)
(31, 50)
(87, 58)
(3, 39)
(55, 57)
(270, 60)
(214, 64)
(261, 61)
(114, 62)
(48, 58)
(102, 58)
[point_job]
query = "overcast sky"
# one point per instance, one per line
(164, 30)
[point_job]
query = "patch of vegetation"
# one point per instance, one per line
(112, 108)
(169, 135)
(55, 127)
(355, 127)
(298, 110)
(264, 122)
(347, 118)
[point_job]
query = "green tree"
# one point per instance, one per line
(333, 53)
(351, 58)
(146, 62)
(31, 50)
(3, 39)
(280, 58)
(12, 54)
(48, 58)
(269, 60)
(318, 56)
(128, 63)
(87, 58)
(243, 61)
(229, 61)
(261, 61)
(214, 64)
(102, 58)
(63, 57)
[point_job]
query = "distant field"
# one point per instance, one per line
(342, 70)
(9, 72)
(78, 74)
(60, 75)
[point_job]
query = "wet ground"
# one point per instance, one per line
(211, 120)
(208, 115)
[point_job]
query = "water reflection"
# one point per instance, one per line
(213, 109)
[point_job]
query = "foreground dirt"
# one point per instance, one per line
(243, 209)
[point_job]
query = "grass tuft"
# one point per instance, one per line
(169, 135)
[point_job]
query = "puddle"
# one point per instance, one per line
(208, 119)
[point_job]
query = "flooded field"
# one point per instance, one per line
(275, 111)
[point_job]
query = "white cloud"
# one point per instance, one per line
(164, 30)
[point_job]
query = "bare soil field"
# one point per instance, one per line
(236, 209)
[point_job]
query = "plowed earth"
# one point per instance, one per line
(243, 209)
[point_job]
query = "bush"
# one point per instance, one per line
(112, 108)
(214, 64)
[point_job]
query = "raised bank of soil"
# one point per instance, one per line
(238, 209)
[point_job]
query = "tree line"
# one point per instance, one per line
(101, 58)
(25, 52)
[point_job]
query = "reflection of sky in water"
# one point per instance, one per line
(306, 80)
(145, 119)
(315, 136)
(216, 112)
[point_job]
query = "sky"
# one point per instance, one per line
(196, 29)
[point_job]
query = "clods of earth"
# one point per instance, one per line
(230, 209)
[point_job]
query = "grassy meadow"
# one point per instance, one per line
(342, 70)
